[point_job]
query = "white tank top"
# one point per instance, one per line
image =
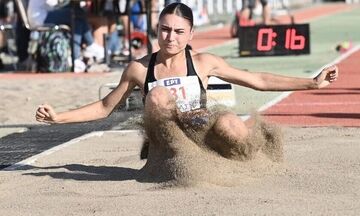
(186, 91)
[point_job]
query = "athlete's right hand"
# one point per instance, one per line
(45, 113)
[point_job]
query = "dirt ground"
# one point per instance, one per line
(100, 175)
(20, 97)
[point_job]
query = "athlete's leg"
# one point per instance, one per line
(160, 102)
(266, 13)
(245, 9)
(245, 15)
(159, 112)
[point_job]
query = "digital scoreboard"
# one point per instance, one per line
(274, 40)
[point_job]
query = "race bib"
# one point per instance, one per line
(186, 91)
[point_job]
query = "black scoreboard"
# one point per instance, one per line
(274, 40)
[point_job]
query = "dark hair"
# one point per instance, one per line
(179, 9)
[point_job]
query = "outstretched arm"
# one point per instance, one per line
(94, 111)
(271, 82)
(327, 76)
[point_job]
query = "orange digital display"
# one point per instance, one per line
(274, 40)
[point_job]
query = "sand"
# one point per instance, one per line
(101, 175)
(20, 97)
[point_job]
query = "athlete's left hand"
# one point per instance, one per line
(327, 76)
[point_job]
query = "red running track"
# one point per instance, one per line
(337, 105)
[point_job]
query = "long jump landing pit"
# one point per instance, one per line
(101, 175)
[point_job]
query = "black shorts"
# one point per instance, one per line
(251, 3)
(195, 119)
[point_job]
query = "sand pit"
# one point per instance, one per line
(183, 155)
(102, 176)
(21, 96)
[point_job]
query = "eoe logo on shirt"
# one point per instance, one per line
(171, 82)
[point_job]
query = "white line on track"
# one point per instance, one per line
(286, 94)
(50, 151)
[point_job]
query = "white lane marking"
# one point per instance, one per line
(34, 158)
(50, 151)
(286, 94)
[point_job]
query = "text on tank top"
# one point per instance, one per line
(188, 91)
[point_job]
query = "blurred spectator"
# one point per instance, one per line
(7, 16)
(109, 17)
(138, 17)
(244, 17)
(22, 43)
(103, 21)
(249, 5)
(60, 12)
(137, 23)
(167, 2)
(22, 36)
(7, 42)
(124, 21)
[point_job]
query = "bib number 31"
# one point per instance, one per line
(178, 93)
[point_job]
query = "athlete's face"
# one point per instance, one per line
(174, 33)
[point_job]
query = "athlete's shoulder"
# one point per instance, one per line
(203, 56)
(138, 65)
(142, 62)
(207, 60)
(136, 70)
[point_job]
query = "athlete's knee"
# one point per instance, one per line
(159, 97)
(226, 120)
(231, 124)
(230, 138)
